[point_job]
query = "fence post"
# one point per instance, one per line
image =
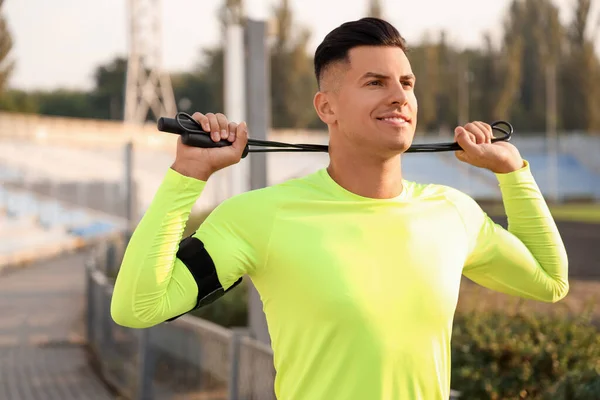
(90, 290)
(258, 97)
(234, 364)
(144, 368)
(129, 198)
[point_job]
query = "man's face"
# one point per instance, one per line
(373, 101)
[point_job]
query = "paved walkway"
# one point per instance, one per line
(42, 334)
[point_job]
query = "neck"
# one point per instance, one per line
(364, 174)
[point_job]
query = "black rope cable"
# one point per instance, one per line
(193, 135)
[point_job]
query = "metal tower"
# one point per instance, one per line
(148, 86)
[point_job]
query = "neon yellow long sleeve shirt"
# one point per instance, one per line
(359, 293)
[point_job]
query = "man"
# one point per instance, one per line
(358, 268)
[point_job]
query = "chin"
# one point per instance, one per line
(400, 148)
(402, 141)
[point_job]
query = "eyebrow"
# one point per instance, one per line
(382, 76)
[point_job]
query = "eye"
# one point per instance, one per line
(375, 83)
(408, 83)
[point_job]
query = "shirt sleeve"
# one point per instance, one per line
(236, 235)
(528, 259)
(153, 285)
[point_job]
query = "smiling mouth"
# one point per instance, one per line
(394, 120)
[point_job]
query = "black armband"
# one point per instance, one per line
(195, 257)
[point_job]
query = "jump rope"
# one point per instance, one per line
(192, 134)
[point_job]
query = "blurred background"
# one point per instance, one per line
(82, 85)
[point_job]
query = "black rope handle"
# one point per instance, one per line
(192, 134)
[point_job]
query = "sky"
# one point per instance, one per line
(59, 43)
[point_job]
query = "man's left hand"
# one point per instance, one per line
(475, 139)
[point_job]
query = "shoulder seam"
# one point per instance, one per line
(456, 209)
(267, 249)
(464, 224)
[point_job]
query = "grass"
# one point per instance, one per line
(577, 212)
(564, 212)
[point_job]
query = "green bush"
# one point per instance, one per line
(495, 355)
(230, 310)
(525, 356)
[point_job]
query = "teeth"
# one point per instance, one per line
(394, 119)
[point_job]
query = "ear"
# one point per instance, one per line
(324, 109)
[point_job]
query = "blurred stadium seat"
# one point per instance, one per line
(574, 180)
(33, 226)
(29, 218)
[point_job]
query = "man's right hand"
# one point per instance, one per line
(201, 163)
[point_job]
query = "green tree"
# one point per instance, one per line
(108, 95)
(68, 103)
(18, 101)
(483, 73)
(202, 89)
(580, 75)
(447, 89)
(292, 82)
(104, 101)
(534, 34)
(6, 43)
(425, 62)
(510, 65)
(209, 76)
(214, 75)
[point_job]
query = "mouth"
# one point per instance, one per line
(395, 120)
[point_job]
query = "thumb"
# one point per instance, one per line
(464, 140)
(241, 137)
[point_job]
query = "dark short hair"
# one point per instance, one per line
(363, 32)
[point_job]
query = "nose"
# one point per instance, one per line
(398, 94)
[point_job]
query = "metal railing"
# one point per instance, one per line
(186, 359)
(189, 358)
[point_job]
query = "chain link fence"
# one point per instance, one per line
(189, 358)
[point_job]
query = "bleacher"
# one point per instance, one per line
(33, 226)
(29, 219)
(574, 180)
(445, 169)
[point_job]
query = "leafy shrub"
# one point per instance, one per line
(495, 355)
(525, 356)
(577, 385)
(230, 310)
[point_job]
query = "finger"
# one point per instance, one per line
(461, 155)
(476, 131)
(223, 125)
(460, 130)
(214, 127)
(466, 140)
(241, 137)
(202, 120)
(231, 131)
(486, 129)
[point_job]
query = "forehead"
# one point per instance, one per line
(383, 59)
